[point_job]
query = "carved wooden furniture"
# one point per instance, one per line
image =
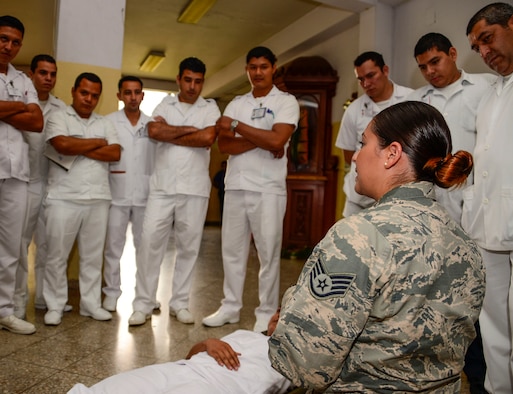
(312, 171)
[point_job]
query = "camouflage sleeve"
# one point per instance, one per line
(323, 314)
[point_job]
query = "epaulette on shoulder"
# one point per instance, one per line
(237, 98)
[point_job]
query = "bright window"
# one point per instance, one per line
(152, 98)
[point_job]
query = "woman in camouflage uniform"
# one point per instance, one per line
(388, 299)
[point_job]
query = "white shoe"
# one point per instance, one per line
(138, 318)
(183, 316)
(17, 326)
(68, 308)
(99, 314)
(109, 303)
(219, 319)
(53, 318)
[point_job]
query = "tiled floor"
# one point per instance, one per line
(86, 351)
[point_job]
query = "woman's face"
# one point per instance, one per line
(370, 165)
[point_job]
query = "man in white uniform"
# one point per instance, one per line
(43, 72)
(78, 198)
(487, 204)
(184, 126)
(456, 95)
(255, 131)
(237, 364)
(380, 93)
(19, 112)
(129, 183)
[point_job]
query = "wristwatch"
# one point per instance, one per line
(234, 124)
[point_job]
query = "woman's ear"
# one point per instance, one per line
(393, 154)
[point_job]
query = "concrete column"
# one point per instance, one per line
(89, 38)
(376, 31)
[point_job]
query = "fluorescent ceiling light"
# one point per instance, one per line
(195, 11)
(152, 61)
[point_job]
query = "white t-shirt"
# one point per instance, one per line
(258, 170)
(183, 169)
(14, 160)
(130, 176)
(87, 179)
(488, 203)
(37, 141)
(202, 374)
(458, 104)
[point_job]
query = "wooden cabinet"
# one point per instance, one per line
(312, 170)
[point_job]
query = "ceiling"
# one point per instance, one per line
(224, 34)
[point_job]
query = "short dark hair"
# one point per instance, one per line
(131, 78)
(261, 52)
(11, 21)
(493, 14)
(432, 41)
(376, 57)
(192, 64)
(90, 77)
(426, 139)
(41, 58)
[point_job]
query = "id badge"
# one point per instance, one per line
(142, 132)
(12, 91)
(258, 113)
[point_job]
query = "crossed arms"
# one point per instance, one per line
(92, 148)
(24, 117)
(273, 140)
(191, 136)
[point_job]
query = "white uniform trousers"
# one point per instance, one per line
(66, 221)
(41, 255)
(496, 320)
(119, 217)
(13, 197)
(186, 214)
(260, 214)
(34, 198)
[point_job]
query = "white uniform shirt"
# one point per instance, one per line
(183, 169)
(257, 170)
(87, 179)
(488, 204)
(14, 161)
(37, 142)
(354, 122)
(130, 176)
(459, 111)
(202, 374)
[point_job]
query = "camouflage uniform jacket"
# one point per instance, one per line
(386, 302)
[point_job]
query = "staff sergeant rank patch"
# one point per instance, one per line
(323, 285)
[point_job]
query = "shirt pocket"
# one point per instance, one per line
(117, 184)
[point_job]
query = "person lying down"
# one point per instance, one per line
(238, 363)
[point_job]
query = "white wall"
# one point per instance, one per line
(415, 18)
(412, 19)
(91, 32)
(340, 51)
